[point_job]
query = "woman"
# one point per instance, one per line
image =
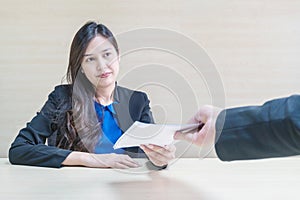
(82, 120)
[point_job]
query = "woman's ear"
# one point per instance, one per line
(81, 70)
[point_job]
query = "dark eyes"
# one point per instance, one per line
(90, 59)
(107, 54)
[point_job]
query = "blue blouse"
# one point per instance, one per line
(110, 130)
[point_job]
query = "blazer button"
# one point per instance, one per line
(53, 127)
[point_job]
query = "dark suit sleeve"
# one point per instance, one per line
(254, 132)
(29, 146)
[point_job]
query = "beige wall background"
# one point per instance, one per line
(255, 46)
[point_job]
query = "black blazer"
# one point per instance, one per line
(29, 147)
(253, 132)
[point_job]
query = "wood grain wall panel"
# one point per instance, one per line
(255, 46)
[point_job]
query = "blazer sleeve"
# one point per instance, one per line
(29, 146)
(254, 132)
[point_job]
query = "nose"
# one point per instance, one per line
(101, 64)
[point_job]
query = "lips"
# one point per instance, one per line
(105, 75)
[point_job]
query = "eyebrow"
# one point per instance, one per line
(90, 54)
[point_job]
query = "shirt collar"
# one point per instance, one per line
(110, 107)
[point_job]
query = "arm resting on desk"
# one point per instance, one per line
(29, 147)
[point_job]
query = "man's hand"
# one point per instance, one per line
(205, 137)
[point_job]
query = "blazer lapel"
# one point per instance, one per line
(121, 106)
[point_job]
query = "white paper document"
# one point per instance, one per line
(158, 134)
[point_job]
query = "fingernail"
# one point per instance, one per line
(176, 135)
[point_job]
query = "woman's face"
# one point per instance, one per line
(100, 62)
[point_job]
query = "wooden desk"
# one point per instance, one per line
(185, 179)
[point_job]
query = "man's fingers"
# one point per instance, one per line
(200, 116)
(195, 138)
(204, 113)
(184, 136)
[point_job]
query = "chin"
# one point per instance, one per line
(106, 83)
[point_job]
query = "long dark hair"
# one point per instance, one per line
(82, 129)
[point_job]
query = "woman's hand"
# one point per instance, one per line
(112, 160)
(159, 156)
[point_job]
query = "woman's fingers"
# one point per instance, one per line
(114, 161)
(160, 152)
(159, 155)
(129, 162)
